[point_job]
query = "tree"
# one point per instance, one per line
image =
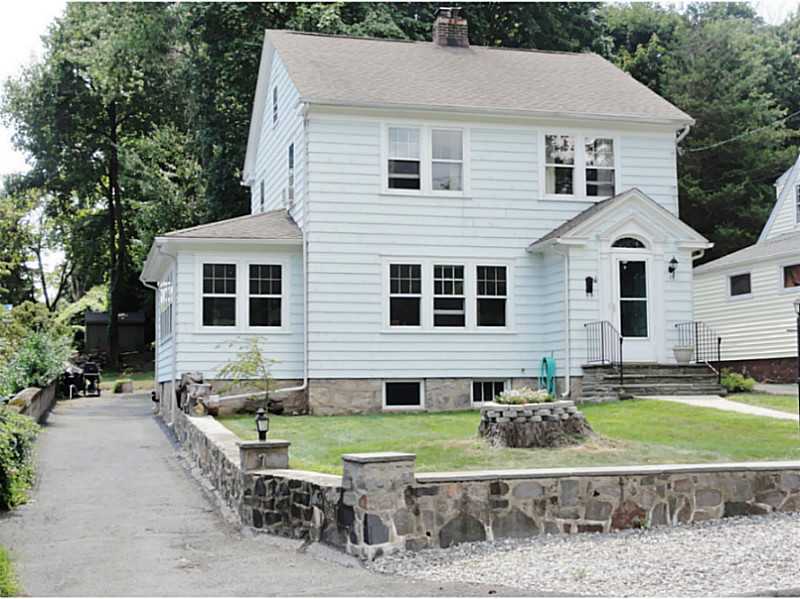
(16, 280)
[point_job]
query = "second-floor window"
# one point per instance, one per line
(404, 158)
(219, 295)
(290, 187)
(447, 165)
(559, 164)
(579, 165)
(599, 167)
(265, 295)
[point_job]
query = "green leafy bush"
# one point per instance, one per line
(9, 587)
(735, 382)
(524, 395)
(38, 360)
(119, 383)
(17, 435)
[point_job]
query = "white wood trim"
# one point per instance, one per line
(419, 408)
(728, 286)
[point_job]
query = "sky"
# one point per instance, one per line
(23, 22)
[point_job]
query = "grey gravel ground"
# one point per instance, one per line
(729, 557)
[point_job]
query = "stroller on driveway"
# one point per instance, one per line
(81, 381)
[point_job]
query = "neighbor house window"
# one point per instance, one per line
(219, 295)
(405, 293)
(791, 276)
(291, 173)
(261, 190)
(404, 158)
(599, 166)
(266, 287)
(403, 394)
(491, 296)
(275, 105)
(740, 284)
(447, 167)
(166, 295)
(483, 391)
(560, 164)
(448, 295)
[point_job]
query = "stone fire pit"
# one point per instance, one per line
(551, 424)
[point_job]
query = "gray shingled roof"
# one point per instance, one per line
(364, 71)
(274, 225)
(574, 222)
(783, 245)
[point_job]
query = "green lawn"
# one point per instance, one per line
(8, 581)
(631, 432)
(142, 381)
(784, 403)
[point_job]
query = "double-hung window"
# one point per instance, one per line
(405, 294)
(447, 166)
(265, 299)
(559, 164)
(491, 296)
(291, 174)
(404, 158)
(599, 166)
(448, 295)
(219, 295)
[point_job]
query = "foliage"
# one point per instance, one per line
(37, 361)
(17, 435)
(251, 364)
(735, 382)
(630, 432)
(524, 395)
(16, 282)
(119, 384)
(9, 587)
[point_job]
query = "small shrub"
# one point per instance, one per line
(119, 383)
(735, 382)
(524, 395)
(38, 360)
(9, 587)
(17, 435)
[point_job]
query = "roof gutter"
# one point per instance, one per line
(684, 132)
(467, 110)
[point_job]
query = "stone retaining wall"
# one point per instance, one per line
(380, 505)
(34, 402)
(495, 413)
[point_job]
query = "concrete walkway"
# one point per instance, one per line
(115, 513)
(776, 389)
(720, 403)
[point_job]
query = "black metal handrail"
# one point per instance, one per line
(604, 345)
(704, 340)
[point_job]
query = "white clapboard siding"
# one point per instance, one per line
(164, 347)
(759, 326)
(204, 351)
(272, 160)
(785, 217)
(352, 226)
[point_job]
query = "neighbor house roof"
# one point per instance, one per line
(784, 245)
(272, 225)
(367, 71)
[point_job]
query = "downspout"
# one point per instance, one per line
(567, 331)
(684, 132)
(156, 344)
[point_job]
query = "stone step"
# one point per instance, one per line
(656, 389)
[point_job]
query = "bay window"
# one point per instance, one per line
(404, 158)
(599, 166)
(219, 295)
(448, 296)
(447, 166)
(265, 295)
(560, 164)
(491, 296)
(405, 293)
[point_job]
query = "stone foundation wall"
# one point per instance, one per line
(35, 402)
(771, 370)
(295, 402)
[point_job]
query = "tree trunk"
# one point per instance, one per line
(115, 292)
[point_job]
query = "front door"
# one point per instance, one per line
(633, 307)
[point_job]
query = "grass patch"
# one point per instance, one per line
(631, 432)
(142, 381)
(9, 587)
(784, 403)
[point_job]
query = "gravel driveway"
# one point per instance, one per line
(734, 556)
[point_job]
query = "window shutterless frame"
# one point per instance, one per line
(789, 276)
(265, 286)
(449, 296)
(218, 294)
(419, 406)
(736, 282)
(581, 138)
(491, 295)
(483, 390)
(405, 295)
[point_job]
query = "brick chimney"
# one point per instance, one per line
(450, 28)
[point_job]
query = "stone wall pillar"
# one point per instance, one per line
(374, 511)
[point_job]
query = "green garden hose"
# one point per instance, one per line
(547, 375)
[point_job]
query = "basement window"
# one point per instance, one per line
(402, 394)
(483, 391)
(219, 295)
(740, 285)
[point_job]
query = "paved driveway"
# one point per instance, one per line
(115, 513)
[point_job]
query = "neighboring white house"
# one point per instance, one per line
(429, 220)
(747, 296)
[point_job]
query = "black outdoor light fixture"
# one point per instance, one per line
(262, 424)
(673, 266)
(589, 286)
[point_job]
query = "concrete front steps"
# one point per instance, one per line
(601, 383)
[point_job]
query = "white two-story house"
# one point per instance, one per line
(431, 219)
(748, 296)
